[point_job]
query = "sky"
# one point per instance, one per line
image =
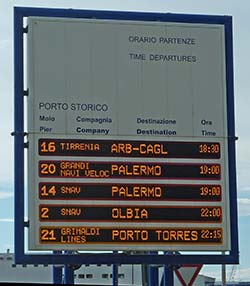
(238, 9)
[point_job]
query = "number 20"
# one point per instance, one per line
(48, 169)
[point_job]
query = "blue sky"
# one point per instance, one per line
(239, 9)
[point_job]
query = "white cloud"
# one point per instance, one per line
(214, 274)
(6, 220)
(233, 273)
(5, 42)
(6, 195)
(7, 247)
(244, 207)
(238, 274)
(244, 189)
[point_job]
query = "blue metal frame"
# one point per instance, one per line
(115, 258)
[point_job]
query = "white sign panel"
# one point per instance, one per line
(127, 125)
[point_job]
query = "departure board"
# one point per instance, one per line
(128, 136)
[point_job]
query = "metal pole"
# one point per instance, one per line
(68, 271)
(223, 275)
(57, 271)
(115, 273)
(68, 275)
(168, 276)
(144, 273)
(153, 273)
(153, 276)
(57, 274)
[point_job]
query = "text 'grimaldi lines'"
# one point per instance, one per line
(128, 148)
(88, 169)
